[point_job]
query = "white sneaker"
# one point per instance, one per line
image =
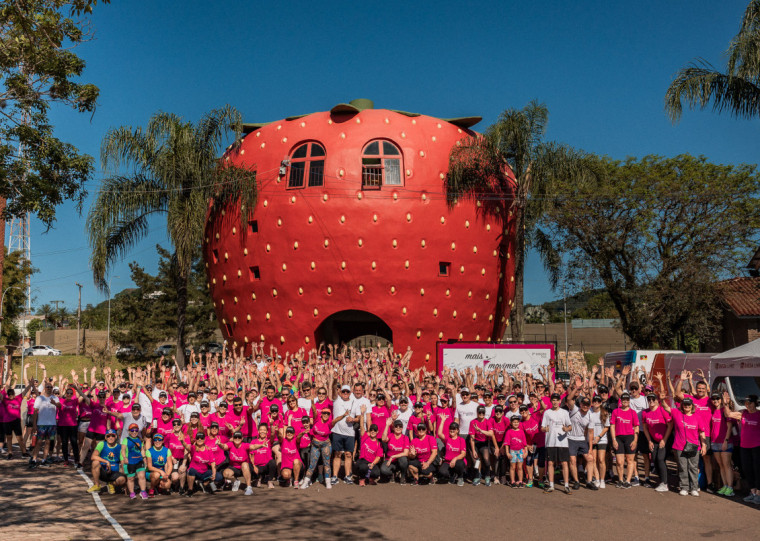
(694, 493)
(236, 485)
(601, 484)
(662, 487)
(328, 483)
(684, 493)
(305, 483)
(596, 483)
(249, 491)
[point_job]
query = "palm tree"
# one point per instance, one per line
(46, 311)
(510, 170)
(737, 90)
(173, 168)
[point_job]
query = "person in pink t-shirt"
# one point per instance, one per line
(516, 442)
(749, 442)
(720, 433)
(498, 425)
(624, 431)
(657, 425)
(454, 451)
(264, 465)
(480, 445)
(290, 462)
(67, 425)
(688, 443)
(239, 465)
(202, 464)
(320, 447)
(423, 450)
(370, 452)
(397, 458)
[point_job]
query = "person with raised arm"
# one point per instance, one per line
(749, 420)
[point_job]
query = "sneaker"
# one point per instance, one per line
(756, 501)
(151, 493)
(750, 498)
(43, 464)
(415, 482)
(662, 487)
(188, 494)
(460, 482)
(683, 492)
(568, 490)
(295, 485)
(488, 481)
(634, 482)
(710, 489)
(305, 483)
(10, 456)
(721, 490)
(626, 485)
(212, 487)
(496, 481)
(694, 493)
(78, 466)
(503, 479)
(328, 483)
(236, 485)
(576, 485)
(334, 480)
(548, 488)
(476, 481)
(248, 490)
(93, 488)
(601, 484)
(591, 486)
(348, 480)
(729, 492)
(111, 488)
(132, 495)
(143, 495)
(529, 484)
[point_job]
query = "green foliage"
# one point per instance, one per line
(658, 233)
(737, 90)
(15, 271)
(33, 326)
(38, 69)
(173, 168)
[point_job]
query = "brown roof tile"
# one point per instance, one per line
(742, 295)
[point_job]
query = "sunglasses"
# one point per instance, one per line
(325, 413)
(321, 394)
(134, 430)
(237, 437)
(110, 435)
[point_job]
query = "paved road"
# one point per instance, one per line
(54, 501)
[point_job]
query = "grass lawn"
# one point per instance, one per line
(62, 365)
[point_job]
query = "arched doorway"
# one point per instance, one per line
(346, 325)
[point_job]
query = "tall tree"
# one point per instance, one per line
(172, 167)
(737, 90)
(510, 169)
(39, 69)
(658, 233)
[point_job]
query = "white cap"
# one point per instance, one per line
(345, 388)
(55, 389)
(464, 390)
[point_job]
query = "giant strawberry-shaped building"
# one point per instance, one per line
(352, 235)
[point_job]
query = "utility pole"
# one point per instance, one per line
(79, 314)
(564, 298)
(56, 304)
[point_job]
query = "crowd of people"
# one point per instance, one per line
(332, 415)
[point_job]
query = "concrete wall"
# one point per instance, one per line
(66, 339)
(589, 340)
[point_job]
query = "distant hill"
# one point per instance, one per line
(591, 304)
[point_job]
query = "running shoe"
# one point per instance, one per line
(236, 485)
(548, 488)
(694, 493)
(93, 488)
(529, 484)
(635, 482)
(151, 493)
(188, 494)
(328, 483)
(627, 485)
(750, 498)
(78, 466)
(729, 492)
(721, 490)
(347, 479)
(488, 481)
(476, 481)
(662, 487)
(415, 482)
(568, 490)
(249, 491)
(111, 488)
(710, 489)
(503, 479)
(683, 492)
(460, 482)
(306, 482)
(576, 485)
(591, 486)
(10, 456)
(43, 464)
(212, 487)
(25, 455)
(601, 484)
(144, 495)
(334, 480)
(756, 501)
(496, 481)
(132, 495)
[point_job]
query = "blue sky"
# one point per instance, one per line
(601, 67)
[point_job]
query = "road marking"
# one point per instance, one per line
(103, 511)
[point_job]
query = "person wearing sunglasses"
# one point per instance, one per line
(343, 436)
(133, 417)
(749, 419)
(320, 448)
(657, 426)
(466, 411)
(688, 443)
(264, 465)
(105, 464)
(202, 465)
(238, 466)
(175, 442)
(46, 408)
(133, 460)
(624, 431)
(480, 446)
(721, 428)
(422, 452)
(322, 400)
(397, 455)
(159, 465)
(513, 408)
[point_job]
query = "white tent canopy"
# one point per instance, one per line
(747, 350)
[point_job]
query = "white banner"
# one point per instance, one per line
(526, 358)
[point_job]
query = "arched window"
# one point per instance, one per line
(381, 165)
(307, 165)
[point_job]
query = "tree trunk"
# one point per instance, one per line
(2, 253)
(181, 285)
(517, 314)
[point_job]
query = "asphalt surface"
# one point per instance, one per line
(52, 504)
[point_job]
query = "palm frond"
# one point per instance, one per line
(550, 256)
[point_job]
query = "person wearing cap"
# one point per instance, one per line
(556, 425)
(192, 428)
(192, 406)
(580, 437)
(498, 425)
(516, 443)
(239, 417)
(175, 442)
(422, 452)
(133, 459)
(160, 403)
(205, 415)
(105, 464)
(290, 458)
(749, 419)
(294, 414)
(404, 412)
(700, 396)
(600, 419)
(98, 424)
(397, 455)
(480, 446)
(466, 411)
(202, 466)
(535, 452)
(134, 416)
(321, 432)
(688, 443)
(162, 421)
(418, 417)
(239, 465)
(656, 426)
(226, 427)
(721, 428)
(638, 404)
(343, 436)
(159, 465)
(454, 452)
(264, 465)
(46, 408)
(370, 451)
(624, 431)
(267, 401)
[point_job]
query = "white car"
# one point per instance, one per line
(41, 350)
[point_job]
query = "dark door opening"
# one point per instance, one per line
(342, 327)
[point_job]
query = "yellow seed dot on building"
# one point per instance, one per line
(467, 224)
(290, 313)
(395, 196)
(306, 339)
(440, 335)
(343, 265)
(316, 312)
(268, 316)
(511, 278)
(327, 243)
(483, 271)
(395, 243)
(324, 197)
(359, 195)
(403, 135)
(329, 290)
(503, 319)
(217, 236)
(479, 204)
(374, 217)
(224, 277)
(360, 242)
(461, 269)
(234, 319)
(474, 249)
(284, 267)
(248, 317)
(282, 339)
(448, 292)
(245, 251)
(488, 296)
(279, 222)
(454, 313)
(311, 219)
(443, 220)
(223, 212)
(253, 296)
(266, 203)
(293, 199)
(500, 298)
(246, 339)
(213, 281)
(461, 336)
(261, 337)
(435, 312)
(224, 321)
(477, 338)
(419, 333)
(342, 219)
(234, 230)
(234, 299)
(295, 245)
(240, 273)
(268, 247)
(422, 291)
(393, 289)
(469, 293)
(222, 302)
(441, 176)
(408, 216)
(501, 275)
(474, 315)
(361, 289)
(374, 265)
(300, 291)
(453, 246)
(422, 242)
(427, 357)
(403, 310)
(274, 292)
(406, 264)
(495, 253)
(424, 197)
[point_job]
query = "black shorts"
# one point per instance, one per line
(109, 475)
(643, 445)
(624, 445)
(9, 427)
(577, 448)
(134, 469)
(600, 446)
(95, 436)
(237, 472)
(557, 454)
(341, 443)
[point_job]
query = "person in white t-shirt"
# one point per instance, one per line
(466, 412)
(556, 424)
(46, 406)
(342, 438)
(192, 405)
(305, 401)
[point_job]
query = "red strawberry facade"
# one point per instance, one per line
(352, 235)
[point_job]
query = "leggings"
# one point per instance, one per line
(365, 471)
(751, 466)
(323, 449)
(400, 464)
(69, 434)
(267, 472)
(481, 447)
(658, 460)
(446, 470)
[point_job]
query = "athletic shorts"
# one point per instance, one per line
(341, 443)
(192, 472)
(643, 445)
(47, 431)
(9, 427)
(84, 426)
(624, 445)
(237, 472)
(29, 421)
(557, 454)
(133, 469)
(577, 448)
(516, 456)
(94, 436)
(600, 446)
(109, 475)
(717, 447)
